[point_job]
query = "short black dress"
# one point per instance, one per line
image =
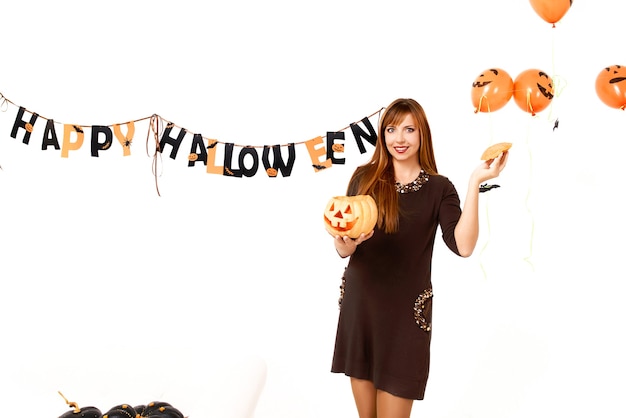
(384, 328)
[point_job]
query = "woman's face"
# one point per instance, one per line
(403, 141)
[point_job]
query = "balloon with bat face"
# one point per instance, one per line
(551, 10)
(533, 90)
(491, 90)
(611, 86)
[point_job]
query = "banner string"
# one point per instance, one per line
(5, 102)
(155, 127)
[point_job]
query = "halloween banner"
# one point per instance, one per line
(166, 138)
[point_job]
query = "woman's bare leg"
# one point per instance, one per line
(365, 397)
(391, 406)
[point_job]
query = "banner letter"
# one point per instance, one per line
(360, 134)
(96, 146)
(27, 126)
(125, 140)
(198, 151)
(211, 168)
(278, 164)
(49, 136)
(228, 161)
(67, 143)
(333, 147)
(174, 142)
(317, 153)
(251, 151)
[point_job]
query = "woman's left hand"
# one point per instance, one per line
(491, 168)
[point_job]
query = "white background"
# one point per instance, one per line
(240, 270)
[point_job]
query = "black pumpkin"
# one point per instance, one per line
(121, 411)
(158, 410)
(87, 412)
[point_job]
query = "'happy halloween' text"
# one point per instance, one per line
(322, 154)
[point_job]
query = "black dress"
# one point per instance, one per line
(384, 328)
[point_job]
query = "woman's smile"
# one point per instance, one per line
(403, 140)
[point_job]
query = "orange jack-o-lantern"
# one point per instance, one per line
(533, 91)
(551, 10)
(491, 90)
(611, 86)
(350, 215)
(338, 147)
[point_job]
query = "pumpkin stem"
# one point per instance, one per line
(71, 404)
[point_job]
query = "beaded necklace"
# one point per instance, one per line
(413, 186)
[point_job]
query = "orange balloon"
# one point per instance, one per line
(533, 91)
(611, 86)
(551, 10)
(491, 90)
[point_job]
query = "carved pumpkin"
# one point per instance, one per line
(611, 86)
(533, 91)
(350, 215)
(491, 90)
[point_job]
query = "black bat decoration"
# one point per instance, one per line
(486, 187)
(212, 145)
(319, 167)
(556, 124)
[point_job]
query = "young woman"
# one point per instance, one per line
(383, 334)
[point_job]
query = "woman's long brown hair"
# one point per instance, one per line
(377, 178)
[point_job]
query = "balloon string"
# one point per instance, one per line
(480, 104)
(526, 202)
(558, 83)
(529, 106)
(482, 266)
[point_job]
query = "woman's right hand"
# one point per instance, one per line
(346, 246)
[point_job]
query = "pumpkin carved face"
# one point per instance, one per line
(350, 215)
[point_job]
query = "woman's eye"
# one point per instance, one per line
(390, 130)
(410, 130)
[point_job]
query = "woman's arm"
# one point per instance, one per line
(466, 231)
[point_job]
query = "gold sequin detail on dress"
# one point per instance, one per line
(413, 186)
(420, 309)
(342, 291)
